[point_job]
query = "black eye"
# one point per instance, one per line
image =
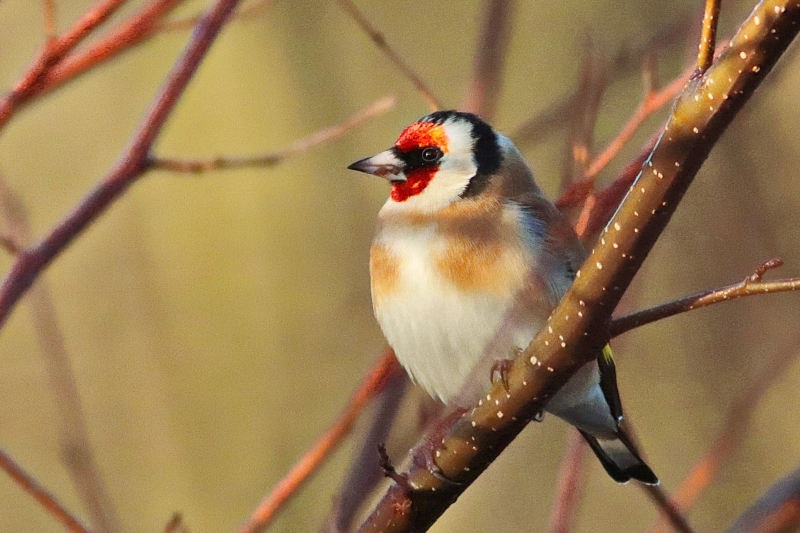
(431, 155)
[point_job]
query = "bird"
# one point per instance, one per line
(468, 261)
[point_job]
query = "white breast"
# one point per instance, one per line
(446, 338)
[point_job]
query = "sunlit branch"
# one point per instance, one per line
(708, 37)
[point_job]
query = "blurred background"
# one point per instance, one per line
(218, 323)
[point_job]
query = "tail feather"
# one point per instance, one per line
(619, 457)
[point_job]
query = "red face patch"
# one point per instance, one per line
(416, 136)
(415, 183)
(422, 134)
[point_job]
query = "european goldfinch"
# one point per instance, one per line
(468, 261)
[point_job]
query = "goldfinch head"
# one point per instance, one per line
(442, 158)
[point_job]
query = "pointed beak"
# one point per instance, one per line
(385, 164)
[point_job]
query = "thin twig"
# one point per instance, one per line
(50, 23)
(40, 494)
(592, 84)
(131, 165)
(489, 59)
(776, 511)
(733, 431)
(56, 65)
(652, 102)
(750, 286)
(245, 12)
(76, 448)
(669, 509)
(626, 60)
(364, 473)
(708, 38)
(571, 475)
(380, 41)
(371, 385)
(303, 145)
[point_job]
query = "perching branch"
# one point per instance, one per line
(577, 329)
(270, 159)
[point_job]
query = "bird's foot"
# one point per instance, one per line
(424, 455)
(501, 369)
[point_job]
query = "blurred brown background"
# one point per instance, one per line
(217, 324)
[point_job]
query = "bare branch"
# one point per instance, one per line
(380, 41)
(668, 508)
(778, 510)
(245, 12)
(303, 145)
(364, 473)
(489, 59)
(734, 429)
(56, 65)
(708, 38)
(133, 162)
(372, 383)
(626, 60)
(50, 24)
(76, 449)
(569, 486)
(577, 329)
(40, 494)
(751, 286)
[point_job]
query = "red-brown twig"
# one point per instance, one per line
(122, 37)
(708, 37)
(53, 52)
(652, 102)
(50, 25)
(489, 59)
(133, 162)
(273, 158)
(396, 59)
(76, 449)
(751, 285)
(372, 383)
(40, 494)
(592, 85)
(57, 63)
(569, 487)
(734, 429)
